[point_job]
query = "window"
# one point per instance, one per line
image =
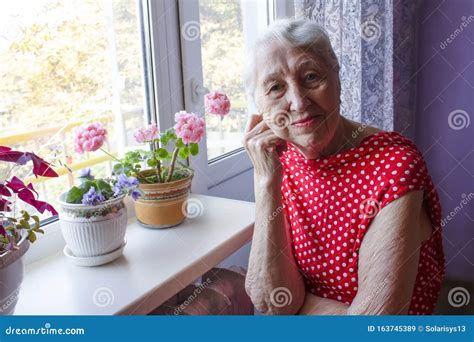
(67, 62)
(213, 38)
(63, 63)
(227, 28)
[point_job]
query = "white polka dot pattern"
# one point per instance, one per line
(331, 202)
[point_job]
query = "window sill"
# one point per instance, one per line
(156, 265)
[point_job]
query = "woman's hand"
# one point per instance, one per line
(262, 145)
(272, 265)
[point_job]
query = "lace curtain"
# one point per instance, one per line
(375, 44)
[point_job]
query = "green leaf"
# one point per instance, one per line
(103, 186)
(25, 215)
(161, 153)
(32, 236)
(194, 148)
(75, 195)
(118, 169)
(133, 156)
(152, 162)
(184, 152)
(179, 143)
(165, 139)
(168, 136)
(85, 186)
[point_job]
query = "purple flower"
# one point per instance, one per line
(92, 197)
(126, 185)
(85, 173)
(135, 194)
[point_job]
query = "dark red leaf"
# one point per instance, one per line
(40, 166)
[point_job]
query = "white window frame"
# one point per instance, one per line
(173, 92)
(214, 172)
(166, 97)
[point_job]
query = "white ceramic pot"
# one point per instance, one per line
(91, 231)
(11, 276)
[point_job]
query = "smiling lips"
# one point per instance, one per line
(305, 122)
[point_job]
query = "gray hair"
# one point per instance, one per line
(293, 33)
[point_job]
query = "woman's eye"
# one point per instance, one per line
(275, 87)
(311, 77)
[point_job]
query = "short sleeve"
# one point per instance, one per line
(404, 170)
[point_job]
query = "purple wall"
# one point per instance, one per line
(446, 85)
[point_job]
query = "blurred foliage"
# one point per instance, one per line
(61, 67)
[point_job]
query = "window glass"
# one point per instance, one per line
(223, 25)
(63, 63)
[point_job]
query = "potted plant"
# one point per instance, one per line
(93, 216)
(164, 179)
(166, 182)
(18, 227)
(163, 176)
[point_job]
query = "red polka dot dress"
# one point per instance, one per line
(331, 201)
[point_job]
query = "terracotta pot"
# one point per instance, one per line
(163, 205)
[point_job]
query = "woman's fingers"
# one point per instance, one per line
(262, 146)
(267, 140)
(258, 129)
(255, 126)
(253, 121)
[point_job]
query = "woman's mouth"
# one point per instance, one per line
(305, 122)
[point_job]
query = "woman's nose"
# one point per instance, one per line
(297, 98)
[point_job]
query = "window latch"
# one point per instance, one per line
(197, 90)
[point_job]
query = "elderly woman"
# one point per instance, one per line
(348, 221)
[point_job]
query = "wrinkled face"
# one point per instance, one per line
(298, 95)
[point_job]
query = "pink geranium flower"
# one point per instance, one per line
(189, 127)
(146, 134)
(217, 103)
(89, 138)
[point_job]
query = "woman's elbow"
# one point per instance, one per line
(277, 301)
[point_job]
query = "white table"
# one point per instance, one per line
(157, 263)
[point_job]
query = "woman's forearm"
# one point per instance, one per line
(273, 281)
(315, 305)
